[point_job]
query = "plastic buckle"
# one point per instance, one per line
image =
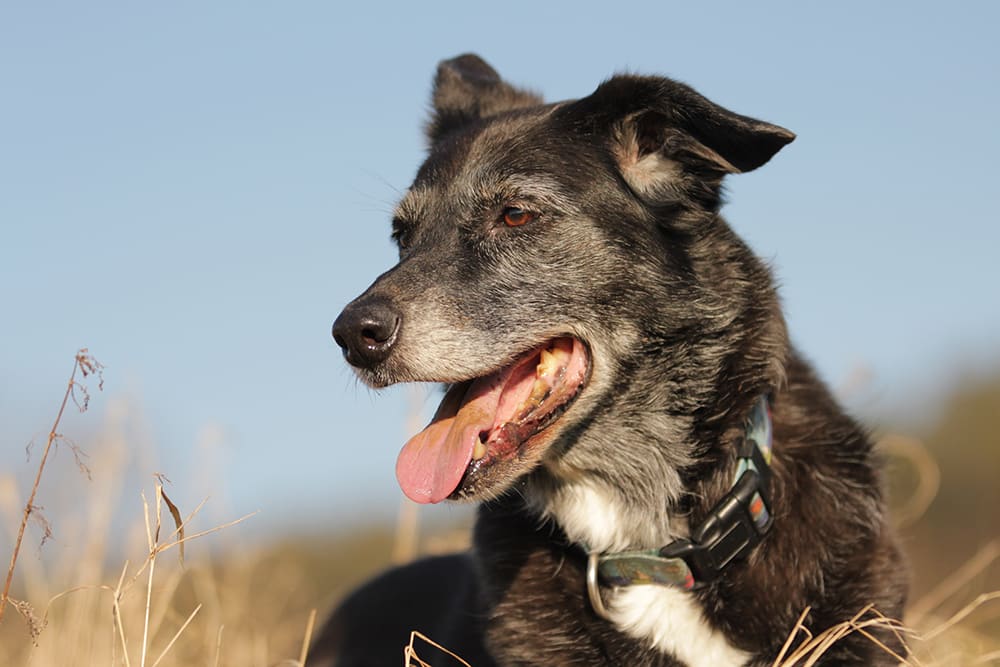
(728, 533)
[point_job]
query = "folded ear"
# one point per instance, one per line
(661, 129)
(466, 88)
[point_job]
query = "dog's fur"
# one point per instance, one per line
(627, 253)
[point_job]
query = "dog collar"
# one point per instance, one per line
(732, 528)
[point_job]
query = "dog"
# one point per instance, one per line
(662, 478)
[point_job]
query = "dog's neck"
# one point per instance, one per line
(596, 516)
(593, 512)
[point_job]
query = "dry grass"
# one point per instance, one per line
(157, 612)
(152, 610)
(86, 365)
(411, 659)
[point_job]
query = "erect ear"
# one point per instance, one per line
(466, 88)
(661, 129)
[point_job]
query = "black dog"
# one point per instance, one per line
(664, 480)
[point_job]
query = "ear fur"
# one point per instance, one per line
(466, 89)
(661, 129)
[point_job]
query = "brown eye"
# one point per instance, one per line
(515, 217)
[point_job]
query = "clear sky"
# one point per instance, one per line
(193, 190)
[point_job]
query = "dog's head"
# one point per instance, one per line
(549, 254)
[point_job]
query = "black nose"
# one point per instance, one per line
(366, 331)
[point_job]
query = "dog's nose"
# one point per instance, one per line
(366, 331)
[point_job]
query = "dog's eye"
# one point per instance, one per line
(515, 217)
(401, 232)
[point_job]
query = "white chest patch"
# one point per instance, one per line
(590, 515)
(672, 621)
(669, 619)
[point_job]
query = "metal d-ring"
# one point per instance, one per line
(594, 588)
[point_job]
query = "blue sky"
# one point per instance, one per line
(194, 190)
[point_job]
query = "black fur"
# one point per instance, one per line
(628, 254)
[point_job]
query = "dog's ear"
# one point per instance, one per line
(661, 129)
(466, 88)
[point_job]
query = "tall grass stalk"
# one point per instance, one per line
(86, 365)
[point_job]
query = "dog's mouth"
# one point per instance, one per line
(489, 429)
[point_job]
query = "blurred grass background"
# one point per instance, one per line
(256, 596)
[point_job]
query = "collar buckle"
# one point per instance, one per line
(735, 525)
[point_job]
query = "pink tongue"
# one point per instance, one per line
(432, 463)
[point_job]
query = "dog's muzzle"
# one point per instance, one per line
(366, 331)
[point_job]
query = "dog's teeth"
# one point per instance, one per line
(547, 364)
(479, 451)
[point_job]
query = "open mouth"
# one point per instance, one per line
(492, 422)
